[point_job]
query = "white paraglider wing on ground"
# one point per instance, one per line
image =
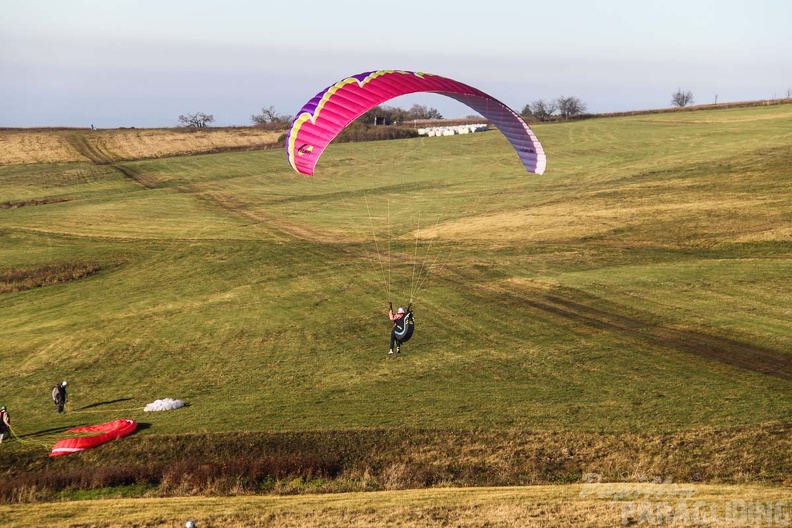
(166, 404)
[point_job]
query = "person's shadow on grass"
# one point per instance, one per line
(103, 403)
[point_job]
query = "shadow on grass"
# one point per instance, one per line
(54, 430)
(142, 426)
(597, 312)
(103, 403)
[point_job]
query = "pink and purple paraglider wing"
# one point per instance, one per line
(332, 109)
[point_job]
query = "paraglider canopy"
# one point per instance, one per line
(332, 109)
(107, 431)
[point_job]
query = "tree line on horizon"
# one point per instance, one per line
(561, 108)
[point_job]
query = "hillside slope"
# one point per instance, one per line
(641, 286)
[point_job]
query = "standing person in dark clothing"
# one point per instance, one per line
(59, 396)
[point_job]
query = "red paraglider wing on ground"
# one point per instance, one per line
(332, 109)
(108, 431)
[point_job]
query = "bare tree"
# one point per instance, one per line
(197, 120)
(543, 110)
(418, 111)
(682, 98)
(789, 93)
(269, 115)
(570, 106)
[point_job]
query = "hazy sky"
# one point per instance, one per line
(144, 62)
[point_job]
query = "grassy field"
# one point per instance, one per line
(639, 287)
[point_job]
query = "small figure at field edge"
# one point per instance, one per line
(5, 423)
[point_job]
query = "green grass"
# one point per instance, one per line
(640, 285)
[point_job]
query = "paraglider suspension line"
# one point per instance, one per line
(425, 271)
(386, 283)
(415, 259)
(389, 251)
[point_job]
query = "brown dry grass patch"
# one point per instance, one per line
(379, 460)
(535, 506)
(20, 279)
(23, 147)
(143, 144)
(36, 201)
(567, 222)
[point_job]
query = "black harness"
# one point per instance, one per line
(405, 327)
